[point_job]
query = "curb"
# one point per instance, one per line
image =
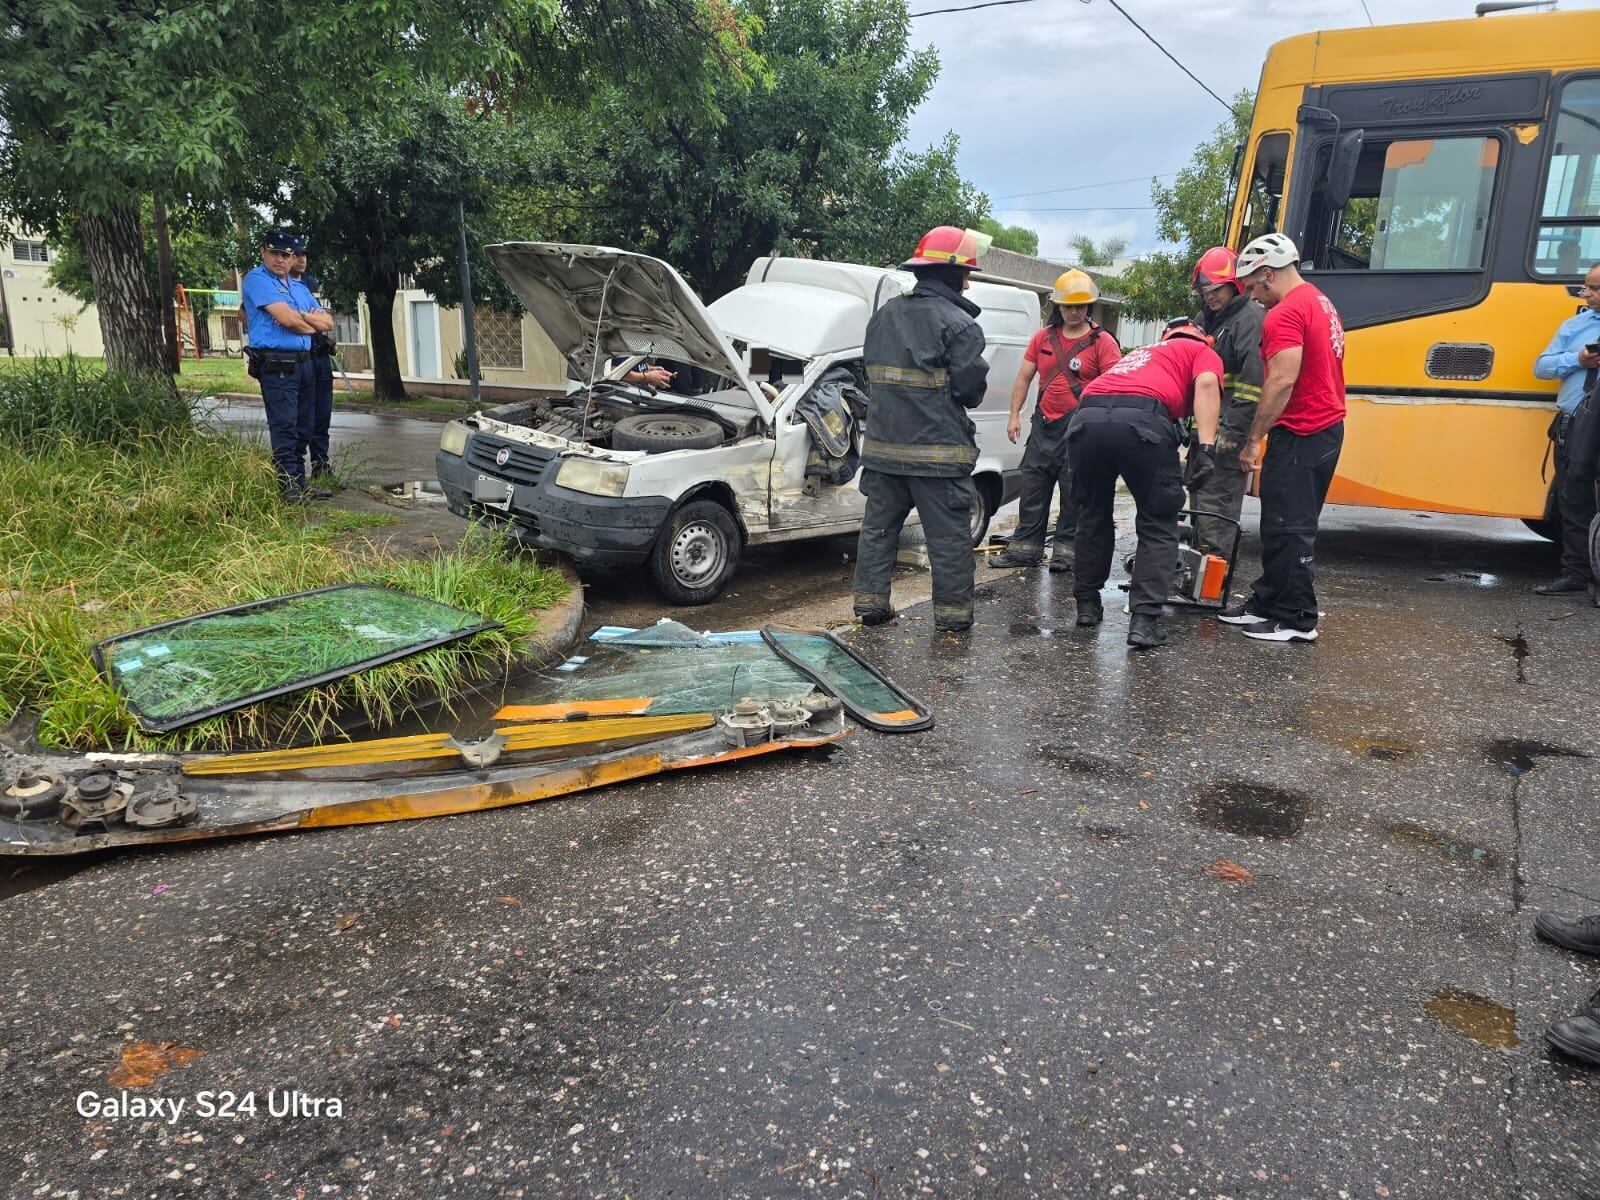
(566, 619)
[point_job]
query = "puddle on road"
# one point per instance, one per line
(1107, 833)
(1520, 651)
(1028, 629)
(1518, 757)
(1477, 1017)
(1252, 810)
(1443, 844)
(1477, 578)
(1074, 760)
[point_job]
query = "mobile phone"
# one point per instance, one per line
(1593, 347)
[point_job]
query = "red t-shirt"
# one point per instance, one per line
(1058, 398)
(1166, 372)
(1306, 318)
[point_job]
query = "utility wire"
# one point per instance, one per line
(1169, 54)
(1083, 187)
(1366, 10)
(933, 12)
(1111, 208)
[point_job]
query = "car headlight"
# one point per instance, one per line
(596, 478)
(454, 438)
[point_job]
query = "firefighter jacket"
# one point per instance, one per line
(1237, 331)
(925, 366)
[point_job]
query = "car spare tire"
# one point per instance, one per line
(657, 432)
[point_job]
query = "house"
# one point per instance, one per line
(36, 317)
(1105, 312)
(430, 340)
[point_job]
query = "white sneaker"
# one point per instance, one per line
(1240, 614)
(1277, 631)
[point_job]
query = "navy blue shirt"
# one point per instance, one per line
(261, 288)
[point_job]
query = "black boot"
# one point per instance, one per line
(877, 616)
(1011, 557)
(1091, 612)
(1577, 1037)
(1145, 632)
(1578, 934)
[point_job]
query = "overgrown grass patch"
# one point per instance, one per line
(98, 538)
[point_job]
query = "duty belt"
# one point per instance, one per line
(280, 355)
(1147, 404)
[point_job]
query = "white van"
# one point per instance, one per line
(615, 474)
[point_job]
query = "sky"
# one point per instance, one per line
(1058, 94)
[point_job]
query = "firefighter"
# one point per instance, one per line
(925, 367)
(1128, 424)
(1066, 354)
(1233, 320)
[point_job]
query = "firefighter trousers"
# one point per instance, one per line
(944, 503)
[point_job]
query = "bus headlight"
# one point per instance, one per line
(454, 438)
(596, 478)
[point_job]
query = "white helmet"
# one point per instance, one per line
(1268, 250)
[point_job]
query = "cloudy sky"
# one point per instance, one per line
(1056, 94)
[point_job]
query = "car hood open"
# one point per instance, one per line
(597, 302)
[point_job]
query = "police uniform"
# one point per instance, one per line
(1236, 331)
(314, 433)
(281, 359)
(925, 367)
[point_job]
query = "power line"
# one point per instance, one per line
(1366, 10)
(1169, 54)
(933, 12)
(1107, 208)
(1083, 187)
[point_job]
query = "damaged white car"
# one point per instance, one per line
(755, 440)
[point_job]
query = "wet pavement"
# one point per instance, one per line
(1223, 919)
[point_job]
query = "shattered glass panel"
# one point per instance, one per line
(183, 671)
(699, 676)
(868, 696)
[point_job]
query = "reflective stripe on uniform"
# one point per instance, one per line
(1247, 391)
(908, 376)
(952, 612)
(865, 602)
(913, 452)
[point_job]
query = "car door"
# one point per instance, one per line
(799, 510)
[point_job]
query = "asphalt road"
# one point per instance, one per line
(987, 960)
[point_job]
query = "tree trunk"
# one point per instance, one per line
(386, 381)
(130, 313)
(167, 292)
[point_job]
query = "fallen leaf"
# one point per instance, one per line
(508, 900)
(143, 1061)
(345, 922)
(1144, 804)
(1229, 871)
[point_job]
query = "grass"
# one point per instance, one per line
(102, 535)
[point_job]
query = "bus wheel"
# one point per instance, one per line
(1545, 527)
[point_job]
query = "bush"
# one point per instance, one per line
(46, 400)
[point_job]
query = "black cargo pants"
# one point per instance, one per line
(1577, 464)
(1223, 490)
(1130, 436)
(945, 505)
(1295, 474)
(1044, 467)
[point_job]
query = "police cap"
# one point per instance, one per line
(283, 241)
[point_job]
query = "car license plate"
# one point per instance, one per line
(491, 493)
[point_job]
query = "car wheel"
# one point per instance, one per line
(982, 511)
(696, 554)
(656, 433)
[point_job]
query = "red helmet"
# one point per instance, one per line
(1217, 266)
(945, 245)
(1184, 327)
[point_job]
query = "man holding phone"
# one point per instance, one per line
(1573, 357)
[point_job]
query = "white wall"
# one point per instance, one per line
(42, 319)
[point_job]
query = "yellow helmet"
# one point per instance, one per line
(1074, 287)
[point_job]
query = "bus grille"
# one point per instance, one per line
(524, 464)
(1459, 360)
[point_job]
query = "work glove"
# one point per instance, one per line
(1198, 466)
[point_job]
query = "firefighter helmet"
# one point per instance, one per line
(1217, 266)
(947, 246)
(1074, 287)
(1185, 328)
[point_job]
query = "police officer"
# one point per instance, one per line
(314, 435)
(1233, 320)
(1066, 354)
(1127, 424)
(281, 318)
(925, 367)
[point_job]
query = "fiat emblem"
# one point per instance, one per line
(502, 458)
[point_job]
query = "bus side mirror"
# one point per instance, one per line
(1341, 176)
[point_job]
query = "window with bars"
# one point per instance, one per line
(29, 250)
(499, 338)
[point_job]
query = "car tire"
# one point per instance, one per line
(656, 433)
(982, 510)
(696, 553)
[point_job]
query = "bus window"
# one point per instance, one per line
(1418, 204)
(1569, 223)
(1266, 186)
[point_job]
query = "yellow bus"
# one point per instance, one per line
(1441, 180)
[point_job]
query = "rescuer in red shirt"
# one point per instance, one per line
(1065, 355)
(1127, 424)
(1302, 403)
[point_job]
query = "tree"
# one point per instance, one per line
(804, 161)
(1017, 238)
(106, 103)
(1191, 216)
(1089, 253)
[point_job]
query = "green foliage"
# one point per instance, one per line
(1192, 215)
(46, 400)
(1017, 238)
(96, 541)
(802, 160)
(205, 247)
(1087, 252)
